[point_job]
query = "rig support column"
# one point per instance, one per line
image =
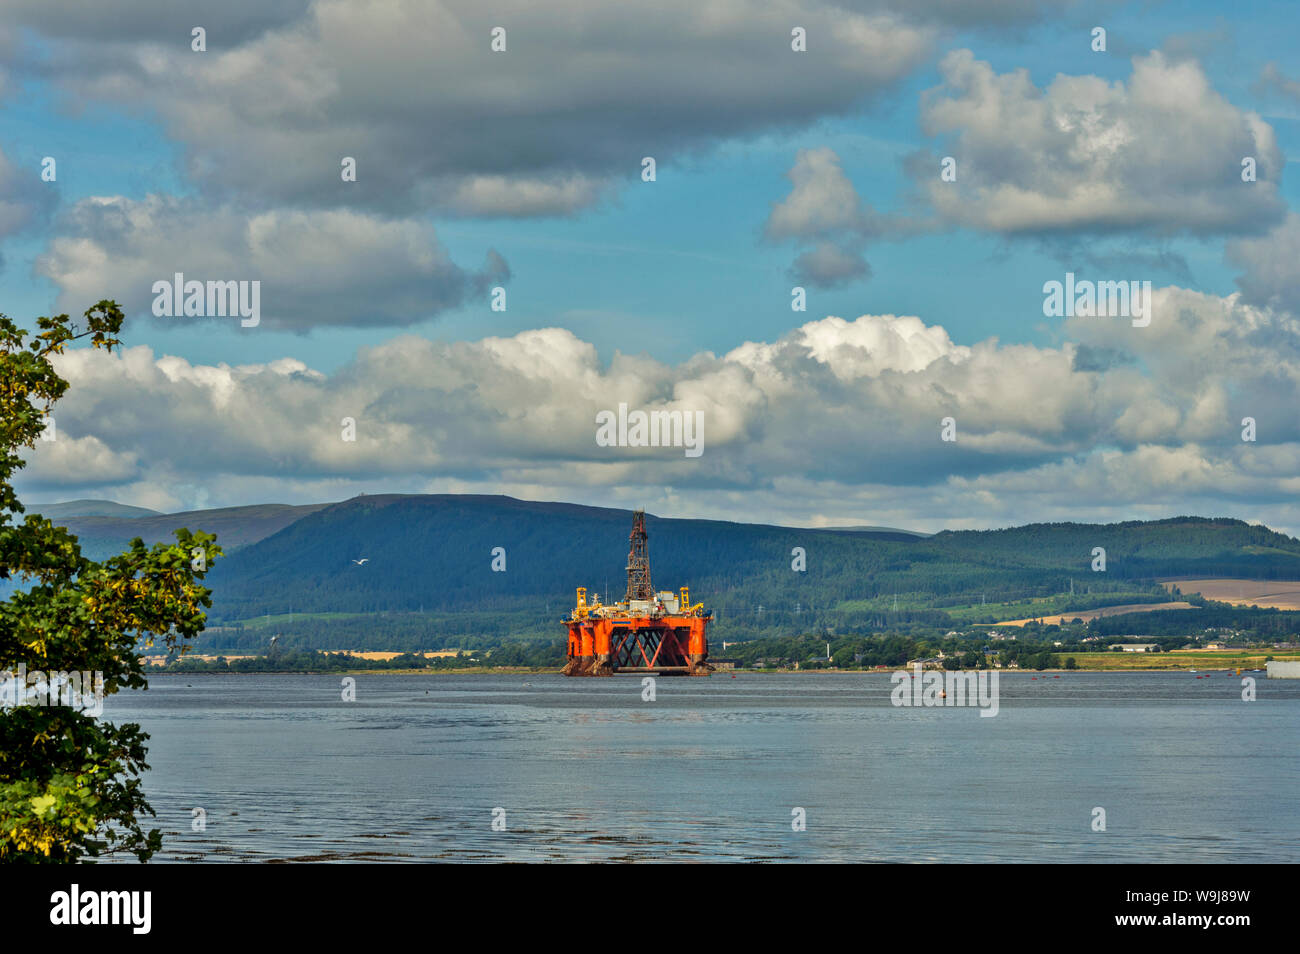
(602, 666)
(697, 650)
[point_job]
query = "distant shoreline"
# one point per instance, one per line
(515, 670)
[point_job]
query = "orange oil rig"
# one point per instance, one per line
(648, 632)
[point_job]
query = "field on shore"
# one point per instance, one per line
(1269, 594)
(384, 655)
(1086, 615)
(1203, 659)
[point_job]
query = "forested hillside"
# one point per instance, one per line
(428, 567)
(416, 571)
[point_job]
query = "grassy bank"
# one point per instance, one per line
(1180, 659)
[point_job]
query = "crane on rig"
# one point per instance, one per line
(646, 632)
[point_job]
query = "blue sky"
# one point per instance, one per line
(679, 266)
(665, 270)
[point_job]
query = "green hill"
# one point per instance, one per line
(428, 568)
(90, 508)
(427, 580)
(103, 530)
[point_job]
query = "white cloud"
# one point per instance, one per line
(826, 265)
(68, 461)
(583, 91)
(1272, 265)
(24, 197)
(504, 196)
(1085, 154)
(822, 202)
(846, 413)
(317, 269)
(1272, 79)
(824, 208)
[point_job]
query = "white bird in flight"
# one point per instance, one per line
(361, 561)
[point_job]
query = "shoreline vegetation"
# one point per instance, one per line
(508, 670)
(1194, 660)
(1162, 633)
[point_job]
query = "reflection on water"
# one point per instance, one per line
(710, 771)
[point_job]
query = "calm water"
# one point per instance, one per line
(585, 770)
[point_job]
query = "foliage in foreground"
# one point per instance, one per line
(70, 783)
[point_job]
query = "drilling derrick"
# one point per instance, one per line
(638, 561)
(648, 632)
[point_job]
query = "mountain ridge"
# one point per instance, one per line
(428, 574)
(436, 550)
